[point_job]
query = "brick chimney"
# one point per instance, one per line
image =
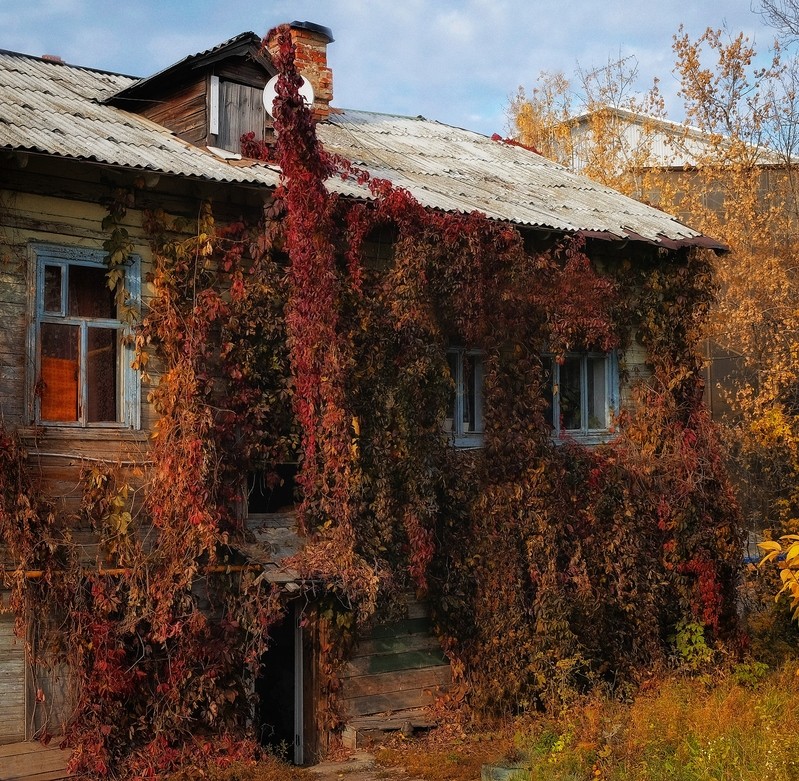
(310, 44)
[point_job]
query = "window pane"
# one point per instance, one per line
(52, 289)
(59, 372)
(89, 295)
(597, 402)
(570, 394)
(546, 391)
(452, 363)
(472, 394)
(101, 374)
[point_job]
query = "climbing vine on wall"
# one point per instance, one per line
(577, 564)
(549, 566)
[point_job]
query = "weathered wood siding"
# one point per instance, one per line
(50, 700)
(56, 453)
(397, 666)
(244, 71)
(241, 110)
(64, 212)
(634, 369)
(241, 104)
(184, 112)
(12, 683)
(45, 201)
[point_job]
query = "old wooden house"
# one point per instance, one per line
(69, 135)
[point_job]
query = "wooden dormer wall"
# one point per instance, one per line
(184, 111)
(185, 108)
(241, 84)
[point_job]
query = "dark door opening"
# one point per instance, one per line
(279, 690)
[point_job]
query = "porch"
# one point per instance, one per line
(31, 761)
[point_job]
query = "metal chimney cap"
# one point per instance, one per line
(314, 28)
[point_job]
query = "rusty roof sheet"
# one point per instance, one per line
(58, 109)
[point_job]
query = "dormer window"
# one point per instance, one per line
(236, 109)
(215, 97)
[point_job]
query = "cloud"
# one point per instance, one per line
(453, 60)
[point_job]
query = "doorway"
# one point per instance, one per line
(280, 690)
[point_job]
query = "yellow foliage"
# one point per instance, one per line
(729, 172)
(786, 554)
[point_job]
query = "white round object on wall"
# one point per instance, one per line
(270, 93)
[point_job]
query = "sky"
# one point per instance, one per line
(456, 62)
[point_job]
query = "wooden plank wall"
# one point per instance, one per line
(62, 203)
(13, 303)
(241, 103)
(395, 667)
(57, 454)
(12, 683)
(184, 112)
(50, 700)
(241, 111)
(634, 367)
(67, 213)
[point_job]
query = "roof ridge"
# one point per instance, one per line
(63, 64)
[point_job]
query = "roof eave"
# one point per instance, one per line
(698, 241)
(239, 46)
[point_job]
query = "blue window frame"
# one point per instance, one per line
(582, 392)
(77, 343)
(464, 422)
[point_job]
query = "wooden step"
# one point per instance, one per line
(363, 731)
(31, 761)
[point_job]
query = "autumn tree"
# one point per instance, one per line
(742, 189)
(729, 171)
(584, 123)
(782, 15)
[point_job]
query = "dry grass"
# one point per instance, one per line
(452, 752)
(740, 726)
(267, 769)
(733, 728)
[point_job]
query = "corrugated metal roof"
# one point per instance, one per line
(59, 110)
(457, 170)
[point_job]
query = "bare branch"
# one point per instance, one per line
(782, 15)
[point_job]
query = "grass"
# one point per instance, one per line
(267, 769)
(451, 752)
(739, 726)
(742, 726)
